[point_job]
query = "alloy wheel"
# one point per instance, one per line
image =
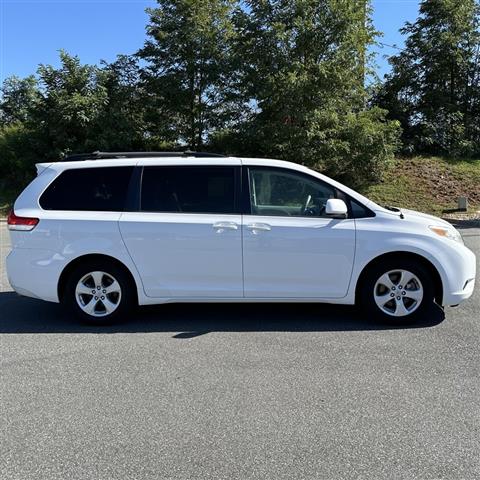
(98, 294)
(398, 293)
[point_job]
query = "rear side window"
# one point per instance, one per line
(188, 189)
(91, 189)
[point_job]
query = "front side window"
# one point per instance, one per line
(188, 189)
(88, 189)
(279, 192)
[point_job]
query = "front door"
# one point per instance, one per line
(186, 239)
(291, 249)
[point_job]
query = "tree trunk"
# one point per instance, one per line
(192, 109)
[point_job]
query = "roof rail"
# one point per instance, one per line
(117, 155)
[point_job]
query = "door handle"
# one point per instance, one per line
(222, 226)
(259, 227)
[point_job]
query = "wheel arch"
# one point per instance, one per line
(93, 257)
(437, 279)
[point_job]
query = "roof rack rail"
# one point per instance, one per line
(117, 155)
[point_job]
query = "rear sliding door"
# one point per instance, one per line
(186, 239)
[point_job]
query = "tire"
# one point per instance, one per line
(111, 303)
(383, 296)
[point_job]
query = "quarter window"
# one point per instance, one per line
(277, 192)
(90, 189)
(359, 211)
(188, 189)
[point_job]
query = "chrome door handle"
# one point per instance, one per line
(259, 227)
(222, 226)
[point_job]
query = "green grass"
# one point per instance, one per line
(401, 190)
(430, 185)
(466, 169)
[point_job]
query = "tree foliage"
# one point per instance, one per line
(72, 108)
(187, 69)
(71, 100)
(121, 123)
(304, 72)
(276, 78)
(434, 86)
(20, 98)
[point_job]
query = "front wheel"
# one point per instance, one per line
(99, 293)
(397, 291)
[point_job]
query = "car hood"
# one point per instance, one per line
(424, 218)
(418, 217)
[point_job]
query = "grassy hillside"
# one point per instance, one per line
(430, 185)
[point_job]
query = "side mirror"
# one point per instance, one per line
(335, 207)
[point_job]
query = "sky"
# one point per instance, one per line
(33, 31)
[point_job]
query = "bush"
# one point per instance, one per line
(355, 148)
(17, 157)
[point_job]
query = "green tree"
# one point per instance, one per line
(187, 72)
(303, 74)
(282, 78)
(17, 155)
(73, 108)
(72, 99)
(19, 98)
(120, 124)
(433, 89)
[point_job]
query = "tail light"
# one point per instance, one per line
(21, 223)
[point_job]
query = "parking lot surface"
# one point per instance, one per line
(238, 392)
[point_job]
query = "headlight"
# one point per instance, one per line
(447, 232)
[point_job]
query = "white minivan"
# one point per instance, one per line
(103, 232)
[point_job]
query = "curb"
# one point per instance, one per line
(463, 223)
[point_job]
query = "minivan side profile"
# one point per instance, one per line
(104, 232)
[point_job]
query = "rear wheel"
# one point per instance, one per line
(99, 292)
(397, 291)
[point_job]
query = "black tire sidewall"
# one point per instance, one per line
(367, 300)
(127, 300)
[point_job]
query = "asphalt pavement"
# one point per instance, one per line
(238, 392)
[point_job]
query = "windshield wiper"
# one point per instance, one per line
(395, 209)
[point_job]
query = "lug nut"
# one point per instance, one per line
(98, 288)
(393, 288)
(102, 297)
(399, 298)
(93, 291)
(96, 298)
(404, 293)
(104, 291)
(392, 294)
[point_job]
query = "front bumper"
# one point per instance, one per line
(461, 279)
(454, 298)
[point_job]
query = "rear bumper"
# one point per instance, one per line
(34, 273)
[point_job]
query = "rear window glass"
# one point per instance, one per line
(188, 189)
(92, 189)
